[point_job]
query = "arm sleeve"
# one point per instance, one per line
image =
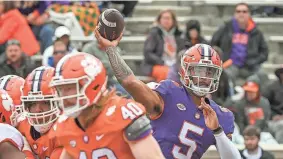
(215, 41)
(149, 48)
(7, 30)
(226, 148)
(240, 117)
(263, 50)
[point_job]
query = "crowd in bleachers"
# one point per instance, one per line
(30, 27)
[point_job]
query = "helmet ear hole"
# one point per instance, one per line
(96, 87)
(3, 119)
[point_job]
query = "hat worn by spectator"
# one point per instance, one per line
(251, 87)
(61, 31)
(13, 42)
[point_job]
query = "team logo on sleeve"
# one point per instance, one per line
(73, 143)
(224, 109)
(111, 110)
(181, 106)
(153, 85)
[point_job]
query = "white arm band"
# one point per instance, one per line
(225, 147)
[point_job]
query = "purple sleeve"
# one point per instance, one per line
(64, 2)
(225, 117)
(163, 87)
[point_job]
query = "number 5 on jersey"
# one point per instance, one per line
(131, 110)
(190, 143)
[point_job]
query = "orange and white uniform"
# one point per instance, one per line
(105, 137)
(10, 107)
(43, 146)
(13, 85)
(11, 135)
(38, 96)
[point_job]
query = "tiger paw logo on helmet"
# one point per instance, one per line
(91, 67)
(7, 102)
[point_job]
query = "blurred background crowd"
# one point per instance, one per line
(247, 37)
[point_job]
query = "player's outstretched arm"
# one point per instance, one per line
(140, 91)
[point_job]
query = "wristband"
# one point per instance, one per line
(217, 130)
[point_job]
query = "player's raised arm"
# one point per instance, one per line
(140, 91)
(224, 146)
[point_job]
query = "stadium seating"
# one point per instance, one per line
(211, 14)
(277, 150)
(206, 11)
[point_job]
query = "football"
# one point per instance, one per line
(111, 24)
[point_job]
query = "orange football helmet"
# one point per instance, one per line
(6, 106)
(13, 85)
(88, 76)
(36, 89)
(200, 69)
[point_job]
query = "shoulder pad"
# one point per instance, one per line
(138, 128)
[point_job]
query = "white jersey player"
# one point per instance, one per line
(11, 142)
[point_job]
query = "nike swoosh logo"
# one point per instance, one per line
(99, 137)
(45, 148)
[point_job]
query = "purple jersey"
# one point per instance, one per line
(180, 130)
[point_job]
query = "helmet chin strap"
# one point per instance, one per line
(198, 93)
(43, 129)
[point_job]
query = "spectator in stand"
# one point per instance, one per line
(85, 15)
(274, 93)
(252, 149)
(254, 109)
(192, 34)
(14, 26)
(173, 73)
(162, 46)
(59, 51)
(225, 88)
(62, 33)
(14, 61)
(242, 43)
(37, 17)
(95, 49)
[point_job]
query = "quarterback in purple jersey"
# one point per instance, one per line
(185, 123)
